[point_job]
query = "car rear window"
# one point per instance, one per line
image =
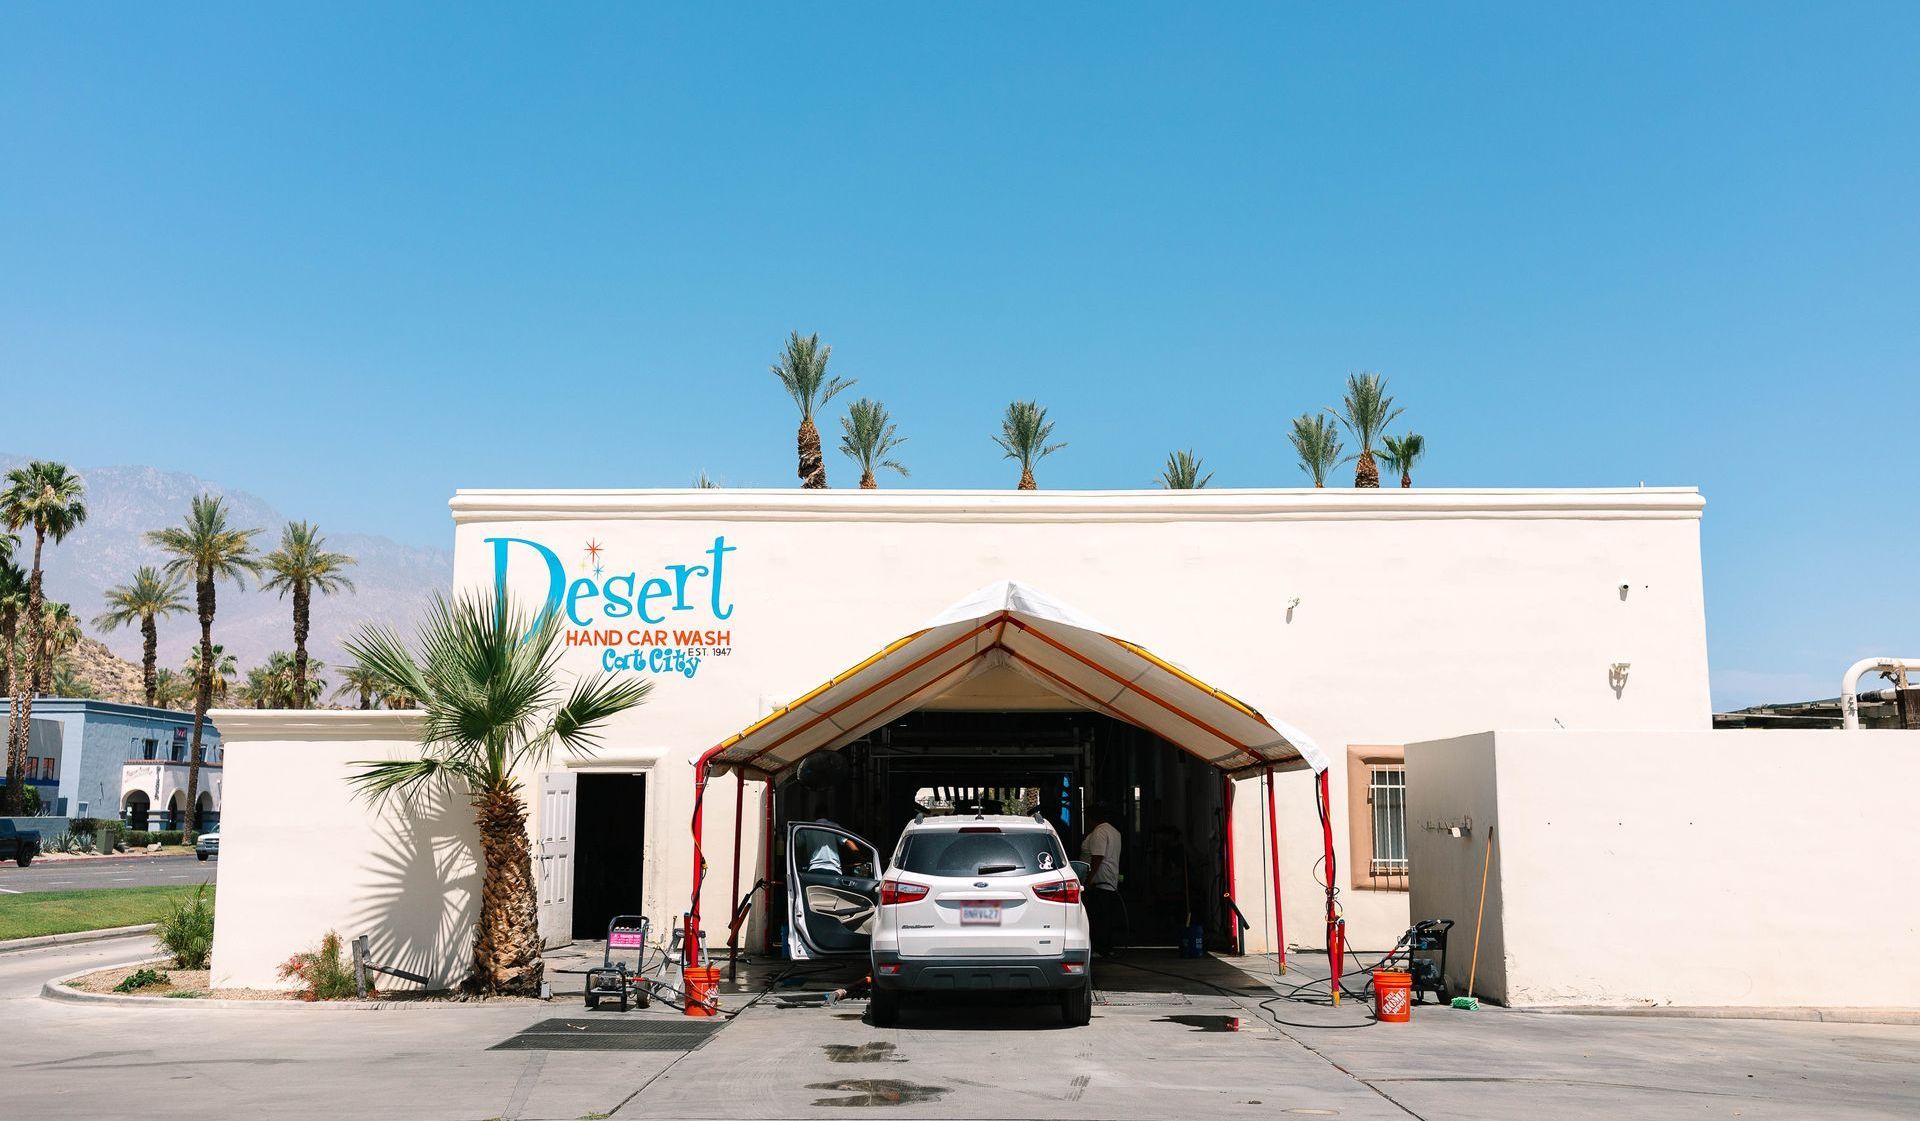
(945, 853)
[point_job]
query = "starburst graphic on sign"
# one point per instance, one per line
(594, 549)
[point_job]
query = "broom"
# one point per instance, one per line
(1470, 1002)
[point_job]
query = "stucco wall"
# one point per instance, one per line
(300, 854)
(1744, 868)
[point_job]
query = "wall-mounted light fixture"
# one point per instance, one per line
(1291, 604)
(1617, 676)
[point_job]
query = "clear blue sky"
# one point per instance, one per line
(352, 259)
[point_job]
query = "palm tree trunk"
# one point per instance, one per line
(1406, 478)
(202, 700)
(20, 722)
(8, 622)
(366, 697)
(506, 947)
(300, 620)
(1366, 473)
(149, 656)
(813, 469)
(868, 482)
(1026, 479)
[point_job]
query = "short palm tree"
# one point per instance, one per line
(1024, 433)
(1366, 410)
(358, 682)
(868, 439)
(1182, 472)
(1316, 439)
(220, 677)
(50, 499)
(144, 600)
(13, 601)
(172, 689)
(489, 680)
(206, 550)
(802, 370)
(59, 634)
(277, 685)
(302, 565)
(1401, 453)
(65, 681)
(704, 481)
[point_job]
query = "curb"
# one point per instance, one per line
(1901, 1016)
(57, 990)
(101, 858)
(72, 937)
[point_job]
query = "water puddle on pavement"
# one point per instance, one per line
(860, 1053)
(1204, 1023)
(876, 1092)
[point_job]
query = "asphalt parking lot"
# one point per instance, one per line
(105, 871)
(1161, 1047)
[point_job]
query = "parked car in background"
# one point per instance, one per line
(967, 904)
(207, 845)
(18, 845)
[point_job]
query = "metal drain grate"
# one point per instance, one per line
(591, 1033)
(1140, 1000)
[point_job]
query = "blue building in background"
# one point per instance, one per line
(91, 758)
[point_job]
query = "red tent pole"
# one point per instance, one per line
(739, 815)
(1226, 798)
(1273, 843)
(1334, 947)
(691, 934)
(766, 869)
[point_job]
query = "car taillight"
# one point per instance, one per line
(897, 891)
(1063, 891)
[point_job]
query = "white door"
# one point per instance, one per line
(553, 857)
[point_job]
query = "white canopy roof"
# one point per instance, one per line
(1011, 626)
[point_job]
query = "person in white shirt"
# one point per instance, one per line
(1101, 849)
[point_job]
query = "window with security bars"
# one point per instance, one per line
(1387, 796)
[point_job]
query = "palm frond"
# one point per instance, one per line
(802, 370)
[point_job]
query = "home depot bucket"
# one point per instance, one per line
(1392, 996)
(703, 985)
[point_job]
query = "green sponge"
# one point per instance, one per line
(1466, 1003)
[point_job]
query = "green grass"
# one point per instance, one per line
(31, 914)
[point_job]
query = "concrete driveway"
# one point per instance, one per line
(1159, 1049)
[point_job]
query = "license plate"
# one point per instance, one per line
(983, 914)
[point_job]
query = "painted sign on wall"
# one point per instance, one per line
(665, 622)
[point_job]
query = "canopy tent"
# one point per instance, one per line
(1009, 626)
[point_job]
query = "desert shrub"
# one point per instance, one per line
(141, 979)
(139, 838)
(61, 842)
(167, 836)
(186, 929)
(84, 827)
(326, 973)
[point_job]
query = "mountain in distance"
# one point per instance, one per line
(391, 581)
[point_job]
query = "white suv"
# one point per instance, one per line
(968, 904)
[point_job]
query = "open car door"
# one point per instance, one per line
(833, 891)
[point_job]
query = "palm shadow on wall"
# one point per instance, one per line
(421, 913)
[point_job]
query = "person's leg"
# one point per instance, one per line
(1103, 918)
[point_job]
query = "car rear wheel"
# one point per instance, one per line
(23, 859)
(202, 856)
(1076, 1006)
(883, 1008)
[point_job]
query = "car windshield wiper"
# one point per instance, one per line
(988, 869)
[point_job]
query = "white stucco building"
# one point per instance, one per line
(1355, 622)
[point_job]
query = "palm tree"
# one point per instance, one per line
(150, 596)
(172, 690)
(1317, 441)
(1400, 453)
(1024, 432)
(358, 681)
(303, 566)
(488, 678)
(205, 549)
(59, 634)
(867, 438)
(64, 681)
(1366, 410)
(48, 497)
(802, 370)
(1182, 472)
(220, 676)
(276, 684)
(13, 600)
(704, 481)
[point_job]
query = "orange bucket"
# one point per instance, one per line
(1392, 996)
(703, 986)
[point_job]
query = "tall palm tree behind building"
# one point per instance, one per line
(1316, 440)
(143, 601)
(1182, 472)
(488, 678)
(867, 437)
(1401, 453)
(13, 601)
(59, 634)
(49, 499)
(302, 566)
(1024, 432)
(1366, 409)
(802, 370)
(205, 550)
